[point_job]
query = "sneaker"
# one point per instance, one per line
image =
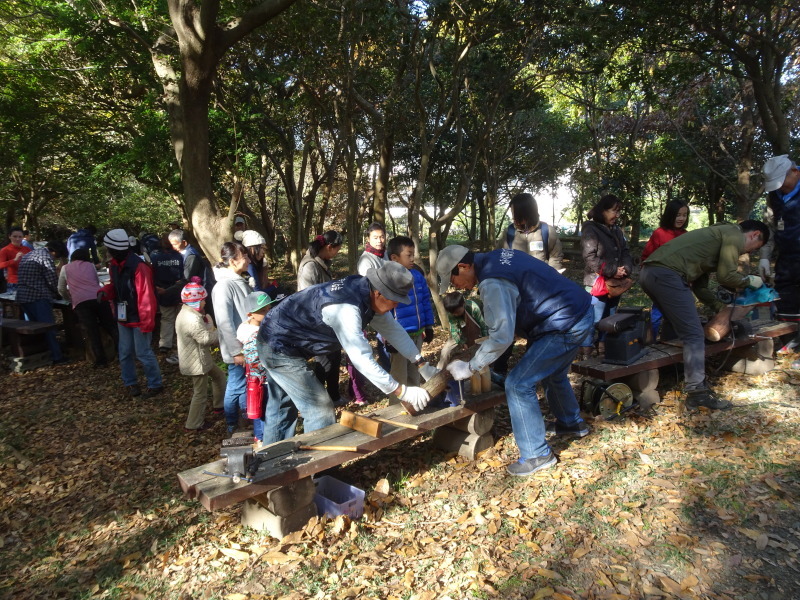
(173, 359)
(150, 392)
(578, 430)
(524, 468)
(341, 402)
(164, 350)
(204, 427)
(361, 402)
(707, 399)
(134, 390)
(788, 348)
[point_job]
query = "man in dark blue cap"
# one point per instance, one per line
(324, 318)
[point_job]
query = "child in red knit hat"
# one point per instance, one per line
(196, 334)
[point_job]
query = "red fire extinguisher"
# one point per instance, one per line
(255, 395)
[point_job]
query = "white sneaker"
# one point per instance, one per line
(173, 359)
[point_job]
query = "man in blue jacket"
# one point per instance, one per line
(319, 320)
(524, 296)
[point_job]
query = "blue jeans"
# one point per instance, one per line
(292, 386)
(548, 360)
(133, 345)
(42, 311)
(602, 307)
(235, 394)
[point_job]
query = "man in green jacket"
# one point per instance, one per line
(678, 271)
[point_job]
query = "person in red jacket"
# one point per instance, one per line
(673, 224)
(10, 256)
(133, 298)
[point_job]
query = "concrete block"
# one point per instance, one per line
(283, 501)
(647, 399)
(465, 444)
(255, 515)
(642, 381)
(752, 360)
(479, 423)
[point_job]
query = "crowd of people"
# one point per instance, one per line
(283, 352)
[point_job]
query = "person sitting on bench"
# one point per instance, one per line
(524, 295)
(678, 271)
(320, 320)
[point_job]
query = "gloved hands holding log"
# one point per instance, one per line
(754, 281)
(460, 370)
(416, 396)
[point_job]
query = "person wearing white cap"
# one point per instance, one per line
(523, 295)
(258, 269)
(782, 216)
(133, 298)
(320, 320)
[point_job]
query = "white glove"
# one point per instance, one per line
(460, 370)
(427, 370)
(416, 396)
(763, 268)
(754, 281)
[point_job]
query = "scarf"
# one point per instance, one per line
(371, 250)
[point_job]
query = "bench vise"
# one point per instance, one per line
(626, 334)
(242, 459)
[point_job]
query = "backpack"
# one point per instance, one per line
(512, 232)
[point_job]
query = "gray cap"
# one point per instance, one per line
(393, 281)
(775, 171)
(447, 260)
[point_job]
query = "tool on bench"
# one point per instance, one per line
(626, 332)
(326, 448)
(364, 424)
(395, 423)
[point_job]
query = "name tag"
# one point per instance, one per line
(780, 225)
(536, 246)
(122, 311)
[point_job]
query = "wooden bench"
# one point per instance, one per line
(752, 355)
(281, 497)
(27, 344)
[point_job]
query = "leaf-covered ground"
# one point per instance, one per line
(670, 505)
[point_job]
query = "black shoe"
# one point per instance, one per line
(707, 399)
(134, 390)
(530, 466)
(578, 430)
(150, 392)
(100, 364)
(204, 427)
(62, 361)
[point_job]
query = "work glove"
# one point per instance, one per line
(460, 370)
(763, 268)
(754, 281)
(427, 370)
(427, 337)
(416, 396)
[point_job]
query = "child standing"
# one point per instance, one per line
(416, 317)
(466, 325)
(196, 334)
(259, 304)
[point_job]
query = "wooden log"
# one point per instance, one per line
(363, 424)
(438, 383)
(396, 423)
(479, 423)
(720, 324)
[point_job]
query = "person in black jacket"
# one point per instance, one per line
(605, 252)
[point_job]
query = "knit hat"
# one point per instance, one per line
(447, 260)
(252, 238)
(775, 171)
(193, 292)
(116, 239)
(393, 281)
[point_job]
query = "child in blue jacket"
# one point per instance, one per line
(416, 317)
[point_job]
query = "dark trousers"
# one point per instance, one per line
(327, 371)
(95, 315)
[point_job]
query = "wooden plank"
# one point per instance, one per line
(361, 423)
(282, 463)
(661, 355)
(27, 327)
